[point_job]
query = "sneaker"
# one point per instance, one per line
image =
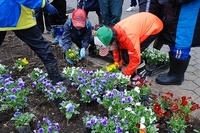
(130, 9)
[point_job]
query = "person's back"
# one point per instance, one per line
(143, 24)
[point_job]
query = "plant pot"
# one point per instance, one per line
(170, 130)
(24, 129)
(57, 101)
(121, 88)
(145, 99)
(152, 70)
(87, 129)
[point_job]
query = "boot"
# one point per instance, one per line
(54, 74)
(175, 76)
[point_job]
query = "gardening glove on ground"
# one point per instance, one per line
(69, 61)
(82, 53)
(50, 8)
(139, 74)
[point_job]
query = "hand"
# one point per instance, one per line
(82, 53)
(70, 62)
(50, 8)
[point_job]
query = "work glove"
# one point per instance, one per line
(82, 53)
(69, 61)
(50, 8)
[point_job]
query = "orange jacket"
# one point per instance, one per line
(131, 32)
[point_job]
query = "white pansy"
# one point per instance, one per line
(138, 104)
(142, 120)
(137, 89)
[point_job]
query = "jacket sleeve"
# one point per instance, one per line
(117, 58)
(66, 37)
(86, 35)
(32, 4)
(133, 49)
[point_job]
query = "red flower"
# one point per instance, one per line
(157, 108)
(187, 118)
(169, 94)
(175, 108)
(184, 103)
(194, 107)
(168, 113)
(183, 98)
(138, 125)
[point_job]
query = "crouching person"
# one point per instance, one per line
(77, 30)
(127, 40)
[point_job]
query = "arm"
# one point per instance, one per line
(66, 37)
(86, 35)
(133, 48)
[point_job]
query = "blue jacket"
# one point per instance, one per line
(82, 35)
(18, 14)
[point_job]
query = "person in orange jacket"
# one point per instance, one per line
(127, 39)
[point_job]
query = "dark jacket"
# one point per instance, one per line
(88, 5)
(152, 6)
(71, 34)
(60, 18)
(182, 23)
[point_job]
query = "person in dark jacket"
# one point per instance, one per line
(153, 6)
(181, 32)
(78, 30)
(90, 5)
(58, 20)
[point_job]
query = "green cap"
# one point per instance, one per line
(104, 34)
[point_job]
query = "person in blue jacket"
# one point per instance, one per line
(77, 30)
(181, 32)
(17, 16)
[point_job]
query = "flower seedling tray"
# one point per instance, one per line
(152, 70)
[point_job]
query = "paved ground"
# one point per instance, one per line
(191, 84)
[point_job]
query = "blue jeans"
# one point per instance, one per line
(33, 37)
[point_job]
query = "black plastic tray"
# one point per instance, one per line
(155, 70)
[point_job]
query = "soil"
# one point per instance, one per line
(12, 49)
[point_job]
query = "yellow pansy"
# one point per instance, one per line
(25, 61)
(71, 54)
(20, 67)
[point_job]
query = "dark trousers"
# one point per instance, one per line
(78, 40)
(143, 46)
(40, 22)
(111, 11)
(33, 37)
(133, 3)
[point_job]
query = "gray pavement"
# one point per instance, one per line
(191, 84)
